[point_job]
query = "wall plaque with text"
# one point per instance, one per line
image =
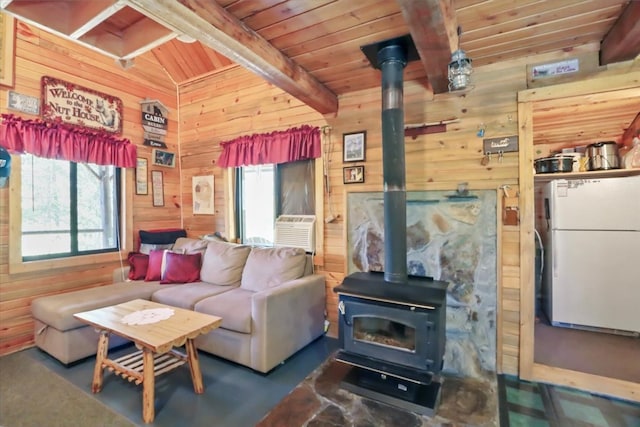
(80, 106)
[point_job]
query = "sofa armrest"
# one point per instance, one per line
(120, 274)
(285, 319)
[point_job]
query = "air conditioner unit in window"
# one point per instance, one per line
(296, 231)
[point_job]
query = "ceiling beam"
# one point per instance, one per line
(216, 28)
(434, 30)
(622, 42)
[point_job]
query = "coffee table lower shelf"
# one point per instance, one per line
(130, 367)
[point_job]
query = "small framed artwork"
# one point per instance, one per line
(353, 174)
(353, 145)
(202, 187)
(163, 158)
(142, 178)
(158, 188)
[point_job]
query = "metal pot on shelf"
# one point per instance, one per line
(603, 155)
(554, 164)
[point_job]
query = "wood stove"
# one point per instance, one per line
(392, 326)
(394, 337)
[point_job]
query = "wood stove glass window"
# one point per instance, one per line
(384, 332)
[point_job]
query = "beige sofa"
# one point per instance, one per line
(271, 303)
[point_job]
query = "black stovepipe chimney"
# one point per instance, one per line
(391, 60)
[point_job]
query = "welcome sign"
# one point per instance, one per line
(79, 106)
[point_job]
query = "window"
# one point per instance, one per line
(68, 209)
(257, 201)
(266, 191)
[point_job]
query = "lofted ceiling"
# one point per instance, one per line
(312, 48)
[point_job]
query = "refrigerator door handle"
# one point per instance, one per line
(554, 254)
(547, 213)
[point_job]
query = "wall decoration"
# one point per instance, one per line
(79, 106)
(354, 145)
(353, 174)
(142, 179)
(7, 48)
(154, 122)
(23, 103)
(202, 188)
(157, 187)
(163, 158)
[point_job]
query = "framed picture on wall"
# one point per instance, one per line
(353, 174)
(142, 178)
(202, 188)
(157, 187)
(163, 158)
(354, 145)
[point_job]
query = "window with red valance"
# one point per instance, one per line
(70, 192)
(275, 175)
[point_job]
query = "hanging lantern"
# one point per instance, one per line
(459, 71)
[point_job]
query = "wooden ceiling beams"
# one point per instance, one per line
(622, 42)
(434, 31)
(216, 28)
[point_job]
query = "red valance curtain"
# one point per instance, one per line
(64, 142)
(276, 147)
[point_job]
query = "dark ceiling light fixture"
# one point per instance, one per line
(459, 69)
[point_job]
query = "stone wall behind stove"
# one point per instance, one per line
(451, 239)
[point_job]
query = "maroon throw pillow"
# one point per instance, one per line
(138, 264)
(154, 270)
(181, 268)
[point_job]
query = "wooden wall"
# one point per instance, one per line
(235, 102)
(39, 53)
(220, 108)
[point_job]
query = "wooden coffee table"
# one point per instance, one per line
(156, 343)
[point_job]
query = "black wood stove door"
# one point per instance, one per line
(394, 333)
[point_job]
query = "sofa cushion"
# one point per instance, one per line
(161, 237)
(223, 263)
(146, 248)
(57, 310)
(180, 268)
(138, 264)
(233, 306)
(269, 267)
(187, 295)
(188, 245)
(154, 269)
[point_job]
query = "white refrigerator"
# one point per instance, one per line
(591, 276)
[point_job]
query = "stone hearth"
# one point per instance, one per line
(320, 401)
(450, 239)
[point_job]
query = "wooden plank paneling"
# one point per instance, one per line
(39, 53)
(227, 105)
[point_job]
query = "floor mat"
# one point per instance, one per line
(529, 404)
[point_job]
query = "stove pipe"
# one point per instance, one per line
(391, 60)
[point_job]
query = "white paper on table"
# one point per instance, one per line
(146, 317)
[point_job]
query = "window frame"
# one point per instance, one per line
(233, 208)
(16, 263)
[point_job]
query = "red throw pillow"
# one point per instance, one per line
(181, 268)
(154, 270)
(138, 264)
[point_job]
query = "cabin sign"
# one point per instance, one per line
(79, 106)
(154, 122)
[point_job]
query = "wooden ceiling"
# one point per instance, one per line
(312, 48)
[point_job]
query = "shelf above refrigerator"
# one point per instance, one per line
(611, 173)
